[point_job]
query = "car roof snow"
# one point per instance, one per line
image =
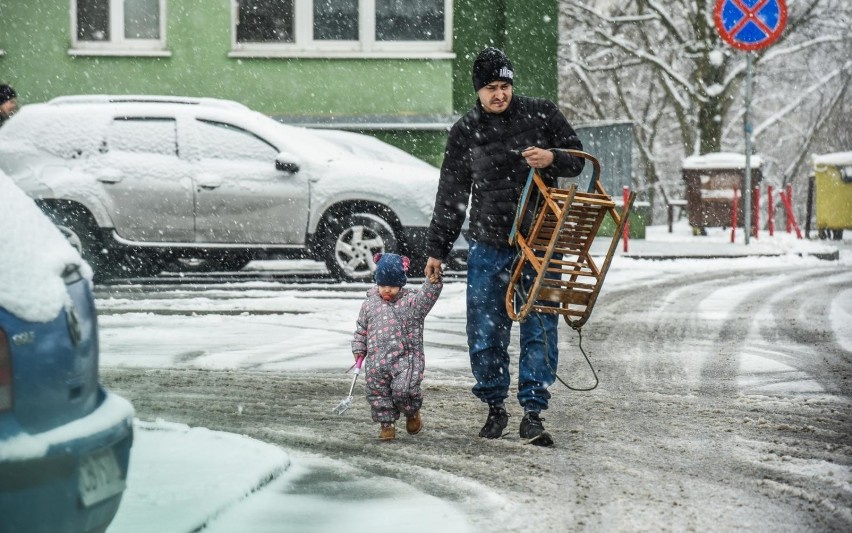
(143, 99)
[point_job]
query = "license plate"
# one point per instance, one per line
(100, 477)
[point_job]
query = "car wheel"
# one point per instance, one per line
(84, 239)
(351, 243)
(106, 263)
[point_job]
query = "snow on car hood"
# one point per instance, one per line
(34, 255)
(408, 190)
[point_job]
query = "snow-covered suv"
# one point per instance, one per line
(138, 183)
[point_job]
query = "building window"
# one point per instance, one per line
(340, 28)
(336, 20)
(266, 21)
(406, 20)
(118, 26)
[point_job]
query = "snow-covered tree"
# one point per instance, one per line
(662, 64)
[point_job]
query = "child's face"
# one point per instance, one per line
(387, 292)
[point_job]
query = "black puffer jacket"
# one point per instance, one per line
(482, 163)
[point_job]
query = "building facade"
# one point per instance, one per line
(398, 69)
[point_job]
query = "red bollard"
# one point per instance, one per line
(770, 210)
(787, 200)
(626, 232)
(788, 208)
(783, 196)
(734, 215)
(755, 213)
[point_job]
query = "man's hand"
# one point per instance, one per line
(538, 157)
(433, 268)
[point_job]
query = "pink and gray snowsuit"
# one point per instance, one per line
(391, 336)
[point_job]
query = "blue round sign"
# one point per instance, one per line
(750, 24)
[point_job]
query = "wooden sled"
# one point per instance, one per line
(557, 246)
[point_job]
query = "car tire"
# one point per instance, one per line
(352, 241)
(107, 262)
(84, 237)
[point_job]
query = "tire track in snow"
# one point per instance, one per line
(663, 338)
(657, 441)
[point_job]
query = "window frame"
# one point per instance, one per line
(365, 47)
(127, 119)
(118, 45)
(218, 123)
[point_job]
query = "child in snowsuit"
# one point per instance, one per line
(389, 334)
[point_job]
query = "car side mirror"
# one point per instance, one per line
(286, 163)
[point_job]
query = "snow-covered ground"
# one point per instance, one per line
(688, 386)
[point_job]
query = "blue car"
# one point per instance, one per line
(64, 440)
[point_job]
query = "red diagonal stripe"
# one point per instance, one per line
(750, 14)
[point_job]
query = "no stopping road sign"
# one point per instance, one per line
(750, 24)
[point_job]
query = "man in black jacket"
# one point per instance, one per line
(487, 160)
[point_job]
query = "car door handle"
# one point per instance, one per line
(109, 175)
(209, 181)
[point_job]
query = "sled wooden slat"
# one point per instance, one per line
(565, 225)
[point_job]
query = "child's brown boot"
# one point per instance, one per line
(414, 424)
(388, 432)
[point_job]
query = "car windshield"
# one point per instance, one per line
(366, 147)
(300, 141)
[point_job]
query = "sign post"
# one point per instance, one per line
(749, 25)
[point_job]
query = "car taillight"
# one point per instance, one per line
(5, 373)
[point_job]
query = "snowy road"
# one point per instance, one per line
(723, 404)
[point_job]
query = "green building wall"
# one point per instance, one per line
(428, 94)
(409, 103)
(526, 30)
(36, 38)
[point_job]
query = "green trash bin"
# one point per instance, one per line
(833, 184)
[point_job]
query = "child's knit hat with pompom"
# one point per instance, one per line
(391, 269)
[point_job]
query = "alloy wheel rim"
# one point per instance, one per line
(354, 251)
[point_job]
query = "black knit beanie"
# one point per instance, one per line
(7, 93)
(491, 65)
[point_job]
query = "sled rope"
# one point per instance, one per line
(557, 247)
(519, 292)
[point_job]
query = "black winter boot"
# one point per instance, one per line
(497, 421)
(532, 429)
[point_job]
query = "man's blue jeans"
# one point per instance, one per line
(489, 332)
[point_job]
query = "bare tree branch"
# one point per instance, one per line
(663, 64)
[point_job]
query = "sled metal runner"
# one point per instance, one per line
(557, 246)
